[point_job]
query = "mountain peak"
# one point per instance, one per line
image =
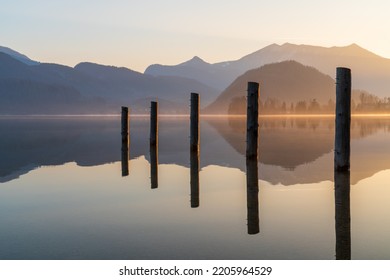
(195, 61)
(287, 44)
(18, 56)
(355, 46)
(355, 50)
(197, 58)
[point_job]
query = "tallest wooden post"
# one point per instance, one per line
(252, 121)
(343, 120)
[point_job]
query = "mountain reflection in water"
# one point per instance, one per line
(291, 150)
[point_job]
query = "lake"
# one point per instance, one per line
(65, 192)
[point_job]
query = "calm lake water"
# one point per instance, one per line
(63, 194)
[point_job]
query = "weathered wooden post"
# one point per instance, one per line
(252, 196)
(154, 166)
(343, 119)
(342, 215)
(125, 141)
(125, 124)
(252, 120)
(194, 178)
(194, 122)
(154, 123)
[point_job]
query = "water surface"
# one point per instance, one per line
(63, 196)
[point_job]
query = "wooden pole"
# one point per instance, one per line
(194, 122)
(252, 121)
(154, 166)
(252, 196)
(154, 123)
(343, 120)
(342, 215)
(194, 178)
(125, 141)
(125, 124)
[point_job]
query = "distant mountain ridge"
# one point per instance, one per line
(18, 56)
(89, 88)
(370, 71)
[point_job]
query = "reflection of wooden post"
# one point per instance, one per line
(252, 196)
(343, 215)
(125, 160)
(194, 180)
(154, 144)
(343, 119)
(194, 122)
(154, 123)
(154, 166)
(252, 121)
(125, 140)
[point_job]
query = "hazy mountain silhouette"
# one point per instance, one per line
(287, 81)
(88, 88)
(20, 97)
(137, 86)
(210, 74)
(370, 72)
(30, 89)
(108, 87)
(18, 56)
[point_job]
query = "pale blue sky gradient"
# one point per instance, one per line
(135, 34)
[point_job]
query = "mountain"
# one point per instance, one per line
(369, 71)
(18, 56)
(209, 74)
(24, 89)
(89, 88)
(288, 82)
(129, 84)
(21, 97)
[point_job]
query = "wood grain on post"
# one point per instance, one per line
(343, 120)
(154, 123)
(252, 120)
(194, 122)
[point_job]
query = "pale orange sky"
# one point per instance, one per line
(135, 34)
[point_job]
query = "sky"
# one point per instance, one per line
(137, 33)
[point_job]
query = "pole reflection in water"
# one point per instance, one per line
(125, 158)
(154, 166)
(194, 178)
(343, 215)
(252, 196)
